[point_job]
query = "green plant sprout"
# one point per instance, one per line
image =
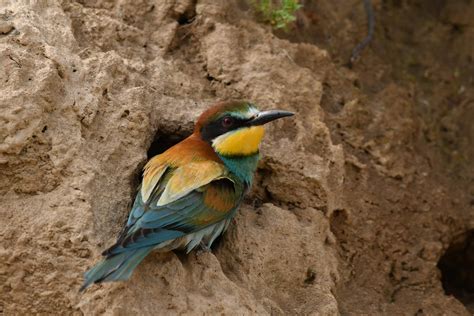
(278, 13)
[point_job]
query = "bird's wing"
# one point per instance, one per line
(181, 201)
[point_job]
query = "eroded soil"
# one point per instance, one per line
(356, 202)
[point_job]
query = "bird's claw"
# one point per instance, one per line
(204, 247)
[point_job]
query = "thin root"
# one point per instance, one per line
(370, 34)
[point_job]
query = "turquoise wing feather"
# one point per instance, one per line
(183, 201)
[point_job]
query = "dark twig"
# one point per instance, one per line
(370, 34)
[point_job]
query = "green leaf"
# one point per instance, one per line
(279, 13)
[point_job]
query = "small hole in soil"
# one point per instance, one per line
(310, 276)
(338, 222)
(210, 78)
(183, 19)
(186, 18)
(338, 217)
(163, 141)
(457, 270)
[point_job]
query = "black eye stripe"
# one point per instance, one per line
(217, 127)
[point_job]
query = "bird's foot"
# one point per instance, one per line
(204, 247)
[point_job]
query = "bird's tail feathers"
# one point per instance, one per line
(116, 267)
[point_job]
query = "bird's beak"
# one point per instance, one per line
(268, 116)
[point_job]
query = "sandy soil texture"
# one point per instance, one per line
(362, 205)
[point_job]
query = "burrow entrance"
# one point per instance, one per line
(165, 140)
(457, 269)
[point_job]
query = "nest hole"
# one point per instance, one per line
(457, 270)
(163, 141)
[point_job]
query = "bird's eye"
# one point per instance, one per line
(227, 121)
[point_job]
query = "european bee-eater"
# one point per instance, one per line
(190, 193)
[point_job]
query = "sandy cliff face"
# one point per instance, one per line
(351, 209)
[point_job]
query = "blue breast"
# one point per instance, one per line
(242, 166)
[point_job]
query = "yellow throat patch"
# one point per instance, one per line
(241, 142)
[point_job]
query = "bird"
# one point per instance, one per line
(190, 193)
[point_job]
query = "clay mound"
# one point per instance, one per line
(355, 201)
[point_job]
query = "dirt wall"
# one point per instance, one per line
(355, 200)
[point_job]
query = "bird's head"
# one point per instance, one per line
(235, 128)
